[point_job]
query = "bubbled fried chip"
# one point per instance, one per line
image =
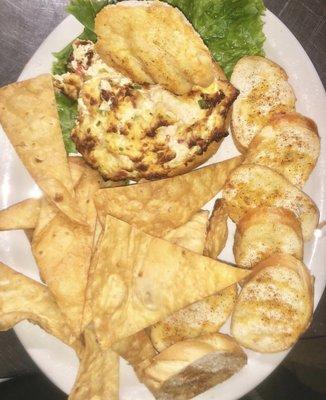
(22, 298)
(23, 215)
(136, 348)
(140, 279)
(217, 232)
(29, 116)
(63, 250)
(157, 207)
(98, 375)
(152, 42)
(190, 235)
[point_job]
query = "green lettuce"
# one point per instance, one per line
(67, 109)
(231, 29)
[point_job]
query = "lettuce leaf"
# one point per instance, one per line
(67, 109)
(231, 29)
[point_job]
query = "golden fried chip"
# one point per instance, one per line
(217, 232)
(47, 212)
(152, 42)
(63, 251)
(136, 348)
(87, 312)
(29, 116)
(98, 375)
(190, 235)
(204, 316)
(140, 279)
(22, 298)
(159, 206)
(22, 215)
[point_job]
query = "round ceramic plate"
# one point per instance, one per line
(56, 360)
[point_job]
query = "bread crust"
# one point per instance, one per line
(191, 367)
(264, 91)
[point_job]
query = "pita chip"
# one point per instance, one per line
(157, 207)
(29, 116)
(23, 215)
(140, 279)
(63, 249)
(22, 298)
(192, 234)
(98, 375)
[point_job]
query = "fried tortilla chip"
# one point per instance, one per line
(159, 206)
(217, 232)
(204, 316)
(140, 279)
(29, 116)
(22, 298)
(63, 251)
(47, 213)
(136, 348)
(152, 42)
(26, 214)
(23, 215)
(192, 234)
(98, 375)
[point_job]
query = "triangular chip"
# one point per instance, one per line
(192, 234)
(29, 116)
(98, 375)
(22, 298)
(160, 206)
(136, 348)
(140, 279)
(23, 215)
(63, 249)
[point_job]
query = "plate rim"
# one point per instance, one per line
(268, 14)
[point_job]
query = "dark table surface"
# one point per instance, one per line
(24, 24)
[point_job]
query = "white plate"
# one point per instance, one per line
(56, 360)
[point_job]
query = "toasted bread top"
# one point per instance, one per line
(263, 231)
(275, 305)
(264, 90)
(251, 186)
(289, 144)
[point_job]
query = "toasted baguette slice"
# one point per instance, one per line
(217, 231)
(264, 90)
(289, 144)
(275, 306)
(263, 231)
(251, 186)
(202, 317)
(191, 367)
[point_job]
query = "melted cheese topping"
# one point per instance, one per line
(132, 131)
